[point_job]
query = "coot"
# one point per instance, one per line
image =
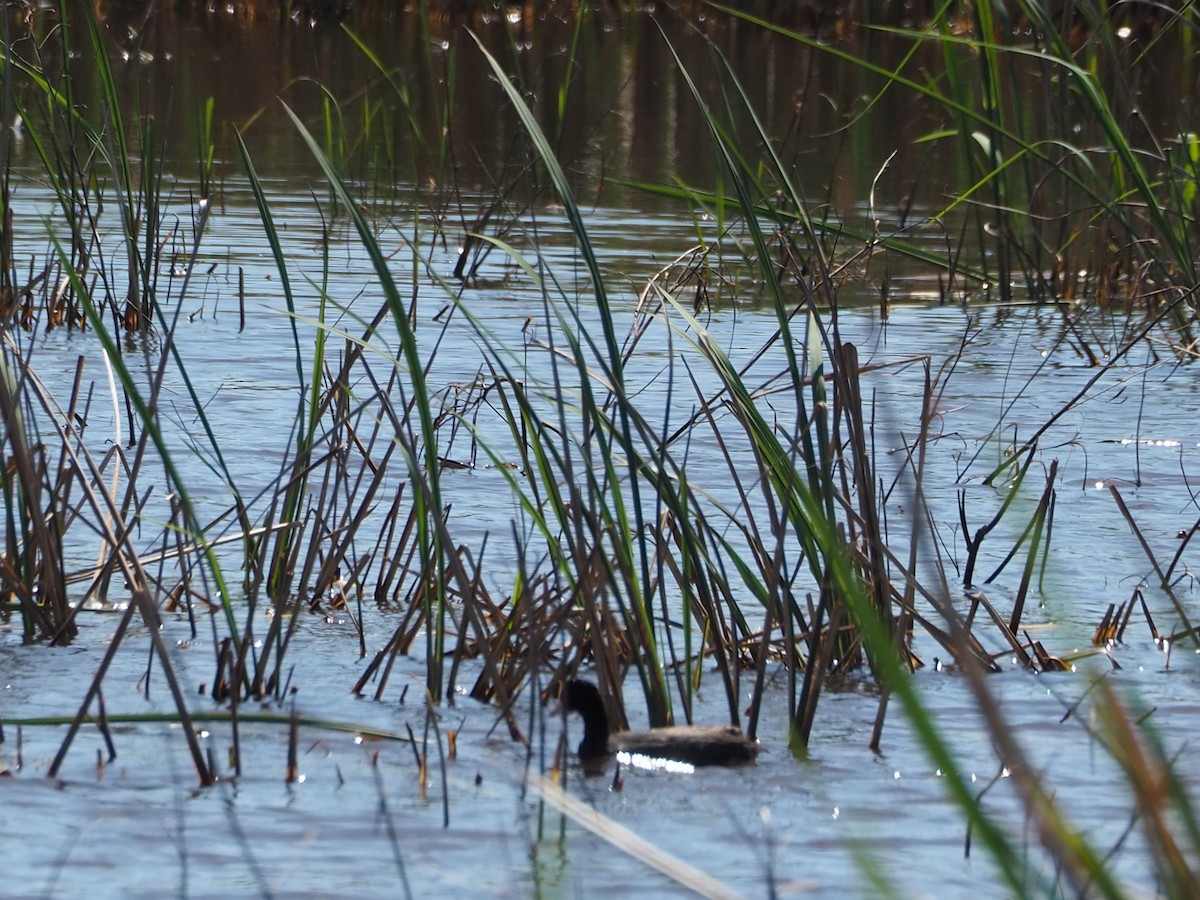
(721, 745)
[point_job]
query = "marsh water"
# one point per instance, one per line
(359, 821)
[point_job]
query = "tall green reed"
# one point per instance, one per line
(586, 446)
(698, 544)
(856, 581)
(418, 445)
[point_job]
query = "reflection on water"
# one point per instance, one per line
(654, 763)
(359, 822)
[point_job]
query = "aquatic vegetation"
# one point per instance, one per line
(765, 565)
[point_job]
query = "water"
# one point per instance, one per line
(359, 822)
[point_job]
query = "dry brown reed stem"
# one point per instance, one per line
(1106, 631)
(220, 683)
(823, 642)
(1186, 539)
(102, 726)
(391, 561)
(901, 634)
(1045, 662)
(174, 533)
(141, 602)
(1120, 635)
(182, 549)
(1006, 631)
(1163, 583)
(74, 418)
(859, 443)
(292, 770)
(1154, 632)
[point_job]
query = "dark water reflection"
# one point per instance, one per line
(626, 114)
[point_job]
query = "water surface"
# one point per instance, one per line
(359, 822)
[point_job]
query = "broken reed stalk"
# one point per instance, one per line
(1163, 583)
(292, 770)
(904, 624)
(859, 444)
(1009, 635)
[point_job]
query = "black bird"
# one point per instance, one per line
(720, 745)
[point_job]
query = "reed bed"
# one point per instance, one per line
(812, 12)
(628, 565)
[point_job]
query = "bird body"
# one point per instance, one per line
(719, 745)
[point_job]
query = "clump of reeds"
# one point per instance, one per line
(626, 560)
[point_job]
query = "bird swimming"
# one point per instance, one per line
(720, 745)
